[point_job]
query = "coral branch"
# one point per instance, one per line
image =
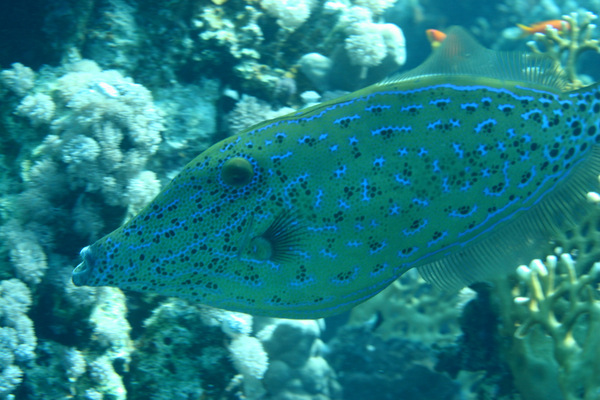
(567, 308)
(564, 48)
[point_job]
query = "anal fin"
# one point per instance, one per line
(526, 236)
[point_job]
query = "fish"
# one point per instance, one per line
(435, 37)
(462, 168)
(540, 27)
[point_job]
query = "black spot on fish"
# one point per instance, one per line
(343, 276)
(464, 210)
(344, 122)
(576, 125)
(377, 268)
(441, 104)
(570, 153)
(301, 275)
(592, 130)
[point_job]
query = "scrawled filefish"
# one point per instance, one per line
(458, 168)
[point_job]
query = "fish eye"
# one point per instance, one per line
(237, 171)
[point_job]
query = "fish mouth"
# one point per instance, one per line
(83, 271)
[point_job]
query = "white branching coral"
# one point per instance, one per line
(109, 322)
(367, 42)
(376, 6)
(80, 149)
(25, 252)
(106, 380)
(20, 79)
(104, 128)
(75, 364)
(248, 356)
(17, 336)
(29, 260)
(106, 97)
(226, 31)
(140, 191)
(251, 110)
(366, 47)
(38, 107)
(290, 14)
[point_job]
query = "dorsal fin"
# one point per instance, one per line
(461, 55)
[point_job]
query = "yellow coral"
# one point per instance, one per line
(567, 308)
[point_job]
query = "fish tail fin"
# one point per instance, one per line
(525, 30)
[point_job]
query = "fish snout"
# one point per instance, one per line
(82, 272)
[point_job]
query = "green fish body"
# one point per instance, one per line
(459, 168)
